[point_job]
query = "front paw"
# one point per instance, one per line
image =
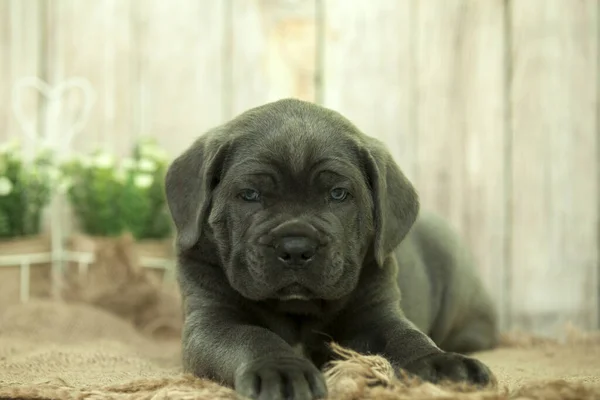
(452, 367)
(275, 378)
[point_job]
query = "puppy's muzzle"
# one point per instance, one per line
(294, 243)
(295, 250)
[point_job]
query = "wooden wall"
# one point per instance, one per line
(491, 107)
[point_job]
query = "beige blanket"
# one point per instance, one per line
(122, 343)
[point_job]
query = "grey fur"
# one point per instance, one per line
(248, 310)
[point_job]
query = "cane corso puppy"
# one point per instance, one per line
(294, 229)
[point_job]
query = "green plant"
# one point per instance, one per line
(144, 210)
(25, 190)
(109, 197)
(93, 189)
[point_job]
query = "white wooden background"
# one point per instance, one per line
(491, 107)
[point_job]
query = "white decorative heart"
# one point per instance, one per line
(54, 96)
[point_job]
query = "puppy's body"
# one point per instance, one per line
(440, 290)
(294, 229)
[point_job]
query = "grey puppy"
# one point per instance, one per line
(294, 229)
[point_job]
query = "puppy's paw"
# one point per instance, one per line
(451, 367)
(275, 378)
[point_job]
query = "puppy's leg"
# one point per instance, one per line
(385, 331)
(259, 364)
(477, 335)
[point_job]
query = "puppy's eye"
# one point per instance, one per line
(338, 194)
(250, 195)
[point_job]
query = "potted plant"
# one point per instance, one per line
(25, 191)
(110, 198)
(143, 204)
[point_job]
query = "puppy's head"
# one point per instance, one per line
(295, 200)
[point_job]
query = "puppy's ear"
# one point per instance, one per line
(189, 183)
(396, 203)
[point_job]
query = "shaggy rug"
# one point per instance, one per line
(121, 342)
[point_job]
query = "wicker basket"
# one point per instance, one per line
(40, 273)
(116, 280)
(151, 253)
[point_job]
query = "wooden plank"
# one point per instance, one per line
(94, 41)
(368, 71)
(5, 70)
(460, 126)
(273, 48)
(180, 90)
(555, 139)
(20, 56)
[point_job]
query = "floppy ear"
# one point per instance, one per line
(396, 203)
(189, 182)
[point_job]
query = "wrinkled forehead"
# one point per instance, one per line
(297, 147)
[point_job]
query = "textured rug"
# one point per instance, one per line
(77, 351)
(121, 342)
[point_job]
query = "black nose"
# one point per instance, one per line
(296, 250)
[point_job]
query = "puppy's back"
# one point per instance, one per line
(441, 290)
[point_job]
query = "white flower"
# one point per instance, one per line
(143, 181)
(121, 175)
(34, 172)
(84, 161)
(45, 152)
(146, 165)
(127, 163)
(153, 151)
(103, 160)
(53, 174)
(6, 186)
(11, 146)
(65, 185)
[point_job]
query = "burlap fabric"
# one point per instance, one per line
(116, 282)
(121, 342)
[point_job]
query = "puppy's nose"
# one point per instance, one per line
(296, 250)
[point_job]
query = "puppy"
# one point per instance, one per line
(294, 229)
